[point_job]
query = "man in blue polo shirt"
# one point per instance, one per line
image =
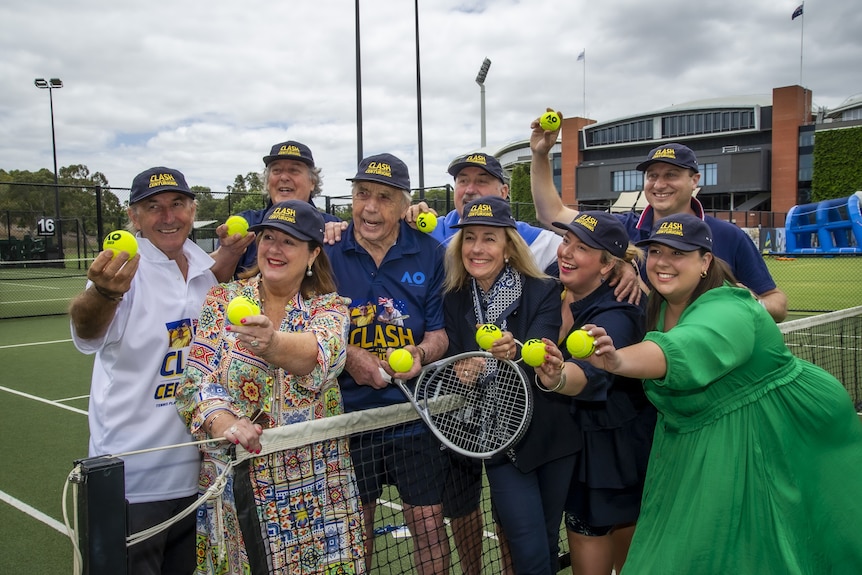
(478, 175)
(670, 177)
(393, 275)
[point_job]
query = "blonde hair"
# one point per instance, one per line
(520, 258)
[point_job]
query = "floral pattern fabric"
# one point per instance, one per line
(307, 505)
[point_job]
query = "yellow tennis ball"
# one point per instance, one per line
(487, 334)
(426, 222)
(237, 225)
(580, 344)
(121, 241)
(533, 352)
(401, 360)
(240, 308)
(550, 121)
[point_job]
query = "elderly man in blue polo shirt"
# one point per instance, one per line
(396, 272)
(670, 178)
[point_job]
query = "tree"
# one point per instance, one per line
(29, 195)
(246, 193)
(522, 198)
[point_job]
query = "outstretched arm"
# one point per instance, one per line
(93, 310)
(549, 206)
(644, 360)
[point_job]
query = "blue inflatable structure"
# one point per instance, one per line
(827, 227)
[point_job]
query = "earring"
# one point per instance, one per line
(308, 272)
(506, 261)
(703, 274)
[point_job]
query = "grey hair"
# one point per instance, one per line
(313, 172)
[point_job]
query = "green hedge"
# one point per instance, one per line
(837, 164)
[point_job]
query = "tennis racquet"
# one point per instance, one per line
(476, 405)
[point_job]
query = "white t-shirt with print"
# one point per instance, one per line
(137, 369)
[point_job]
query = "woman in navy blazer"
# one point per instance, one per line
(491, 278)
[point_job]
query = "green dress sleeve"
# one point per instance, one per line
(715, 335)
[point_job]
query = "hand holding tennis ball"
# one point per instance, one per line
(121, 241)
(237, 225)
(401, 360)
(580, 344)
(533, 352)
(487, 334)
(426, 222)
(240, 308)
(550, 121)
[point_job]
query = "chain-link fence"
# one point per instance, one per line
(36, 279)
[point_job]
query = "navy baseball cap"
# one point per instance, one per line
(485, 161)
(384, 169)
(682, 231)
(487, 211)
(294, 217)
(290, 150)
(156, 181)
(599, 230)
(675, 154)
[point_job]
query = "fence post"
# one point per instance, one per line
(100, 232)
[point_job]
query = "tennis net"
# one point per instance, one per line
(40, 287)
(280, 511)
(287, 514)
(832, 341)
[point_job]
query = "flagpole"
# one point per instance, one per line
(584, 58)
(801, 37)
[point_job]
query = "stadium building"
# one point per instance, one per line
(755, 153)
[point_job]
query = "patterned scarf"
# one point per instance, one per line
(490, 306)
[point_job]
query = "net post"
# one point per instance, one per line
(102, 516)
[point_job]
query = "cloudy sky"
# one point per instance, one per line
(208, 87)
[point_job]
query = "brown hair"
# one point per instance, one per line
(321, 281)
(717, 274)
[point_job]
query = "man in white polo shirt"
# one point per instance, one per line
(138, 316)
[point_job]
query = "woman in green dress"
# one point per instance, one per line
(756, 453)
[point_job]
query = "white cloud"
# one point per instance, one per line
(208, 87)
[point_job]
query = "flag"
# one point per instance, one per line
(798, 12)
(581, 55)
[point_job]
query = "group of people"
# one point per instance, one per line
(690, 441)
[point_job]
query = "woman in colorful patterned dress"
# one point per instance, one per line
(276, 368)
(756, 452)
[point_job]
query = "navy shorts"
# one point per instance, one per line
(412, 460)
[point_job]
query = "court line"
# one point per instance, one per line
(34, 286)
(73, 398)
(34, 343)
(33, 512)
(43, 400)
(36, 300)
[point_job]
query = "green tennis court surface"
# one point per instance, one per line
(44, 386)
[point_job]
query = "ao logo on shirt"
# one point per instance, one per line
(415, 278)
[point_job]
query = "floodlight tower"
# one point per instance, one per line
(480, 79)
(51, 85)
